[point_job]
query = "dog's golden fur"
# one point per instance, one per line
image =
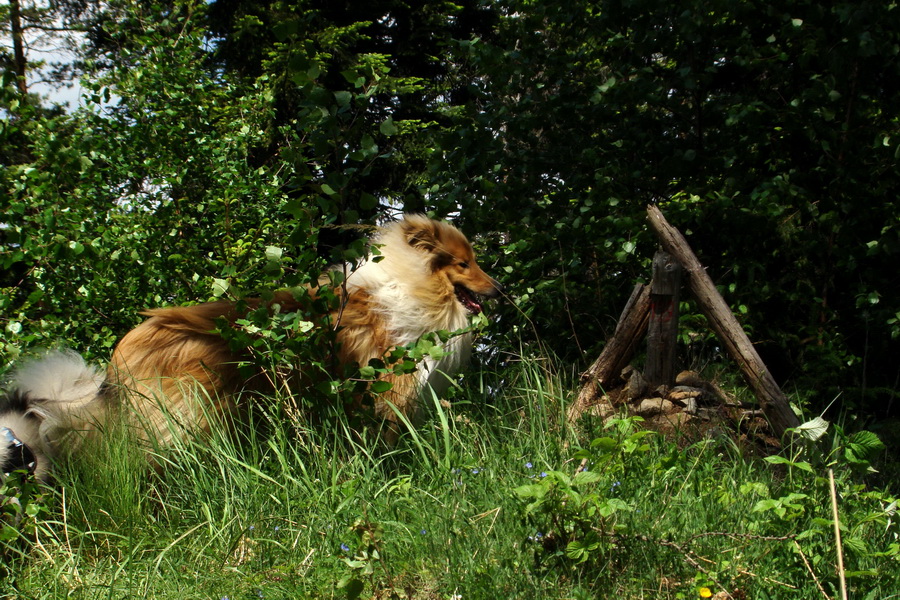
(175, 366)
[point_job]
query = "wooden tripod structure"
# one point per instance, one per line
(652, 311)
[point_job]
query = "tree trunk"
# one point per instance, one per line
(773, 401)
(18, 40)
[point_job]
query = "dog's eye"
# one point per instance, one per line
(464, 265)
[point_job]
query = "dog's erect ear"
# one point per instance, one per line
(421, 232)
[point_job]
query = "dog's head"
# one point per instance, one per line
(450, 256)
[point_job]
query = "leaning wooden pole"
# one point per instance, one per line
(774, 403)
(617, 353)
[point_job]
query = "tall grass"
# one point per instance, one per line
(494, 496)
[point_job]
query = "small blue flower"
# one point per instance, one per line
(345, 548)
(543, 473)
(476, 471)
(423, 532)
(615, 485)
(528, 465)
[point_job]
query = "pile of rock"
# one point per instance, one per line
(693, 403)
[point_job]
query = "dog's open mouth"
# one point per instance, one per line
(468, 299)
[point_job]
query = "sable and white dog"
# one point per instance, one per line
(175, 367)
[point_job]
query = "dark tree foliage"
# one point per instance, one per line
(294, 44)
(766, 131)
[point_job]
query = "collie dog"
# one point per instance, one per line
(175, 368)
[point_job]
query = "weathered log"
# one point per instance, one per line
(727, 329)
(662, 331)
(616, 354)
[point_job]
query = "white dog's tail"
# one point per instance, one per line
(48, 398)
(57, 384)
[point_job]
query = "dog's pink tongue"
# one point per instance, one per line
(468, 300)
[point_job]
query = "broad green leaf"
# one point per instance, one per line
(388, 128)
(813, 429)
